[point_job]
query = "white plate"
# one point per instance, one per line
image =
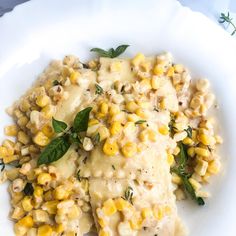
(41, 30)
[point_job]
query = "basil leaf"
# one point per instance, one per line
(58, 126)
(138, 122)
(111, 53)
(74, 138)
(54, 150)
(81, 120)
(28, 189)
(99, 89)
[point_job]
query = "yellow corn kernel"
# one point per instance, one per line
(145, 66)
(48, 111)
(22, 121)
(115, 128)
(110, 148)
(178, 68)
(103, 233)
(121, 204)
(44, 230)
(11, 130)
(20, 230)
(133, 117)
(114, 109)
(74, 212)
(23, 137)
(176, 151)
(115, 66)
(44, 178)
(129, 149)
(191, 151)
(8, 159)
(201, 167)
(48, 196)
(109, 207)
(152, 135)
(143, 136)
(3, 151)
(103, 223)
(202, 152)
(163, 104)
(155, 83)
(218, 139)
(146, 212)
(138, 59)
(140, 112)
(188, 141)
(74, 77)
(170, 159)
(104, 108)
(103, 132)
(25, 105)
(145, 83)
(48, 130)
(131, 106)
(136, 222)
(194, 135)
(170, 71)
(38, 191)
(42, 100)
(158, 70)
(203, 138)
(60, 193)
(93, 122)
(41, 139)
(50, 206)
(27, 203)
(10, 145)
(59, 228)
(195, 184)
(26, 221)
(214, 167)
(163, 130)
(176, 179)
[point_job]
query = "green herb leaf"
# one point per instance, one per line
(74, 138)
(28, 189)
(78, 176)
(96, 139)
(172, 129)
(189, 131)
(56, 82)
(129, 192)
(138, 122)
(226, 18)
(111, 53)
(54, 150)
(81, 120)
(183, 157)
(99, 89)
(58, 126)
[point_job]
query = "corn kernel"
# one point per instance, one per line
(42, 100)
(115, 128)
(133, 117)
(44, 230)
(176, 151)
(25, 105)
(155, 83)
(202, 152)
(114, 109)
(23, 137)
(60, 193)
(146, 212)
(129, 149)
(48, 130)
(143, 136)
(176, 179)
(191, 151)
(48, 111)
(110, 148)
(121, 204)
(218, 139)
(131, 106)
(136, 222)
(109, 207)
(50, 206)
(145, 66)
(93, 122)
(140, 112)
(188, 141)
(74, 77)
(38, 191)
(195, 184)
(201, 167)
(170, 159)
(103, 223)
(20, 230)
(103, 132)
(26, 221)
(170, 71)
(104, 108)
(103, 233)
(203, 138)
(22, 121)
(44, 178)
(3, 152)
(74, 212)
(41, 139)
(163, 130)
(138, 59)
(11, 130)
(178, 68)
(214, 167)
(145, 83)
(27, 203)
(152, 135)
(8, 159)
(158, 70)
(59, 228)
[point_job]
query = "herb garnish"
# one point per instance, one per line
(28, 189)
(226, 18)
(99, 89)
(60, 145)
(56, 82)
(78, 176)
(129, 192)
(111, 53)
(113, 167)
(138, 122)
(155, 109)
(172, 129)
(181, 171)
(96, 139)
(3, 165)
(189, 131)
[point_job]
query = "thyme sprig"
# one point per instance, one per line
(228, 19)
